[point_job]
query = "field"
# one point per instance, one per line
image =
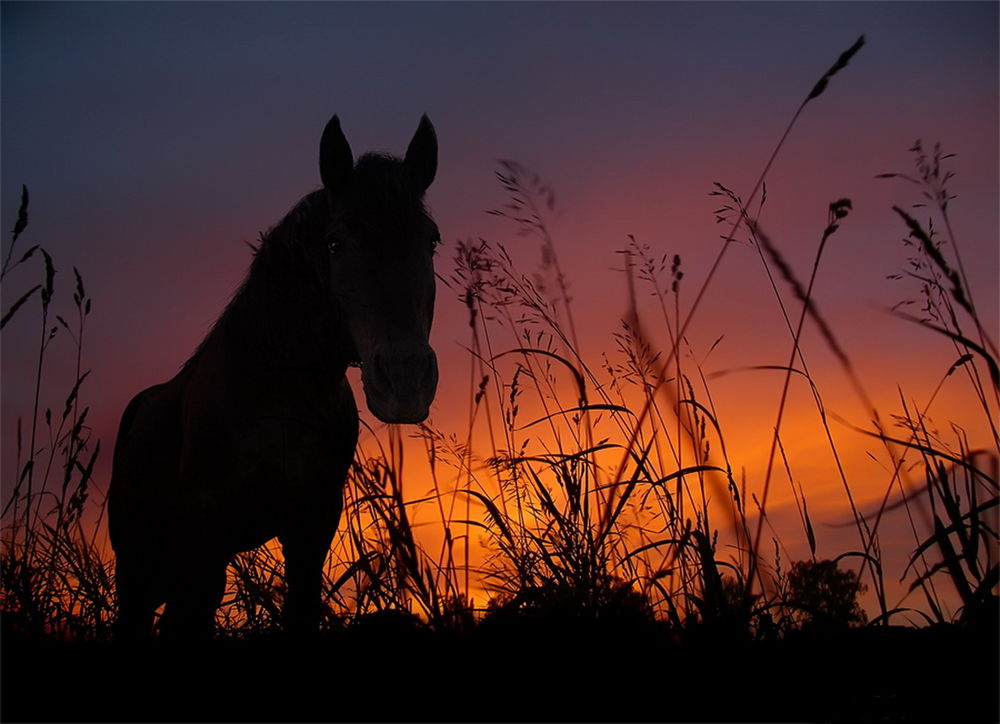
(551, 672)
(587, 549)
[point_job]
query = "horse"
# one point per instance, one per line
(253, 438)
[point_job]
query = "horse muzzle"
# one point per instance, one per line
(400, 386)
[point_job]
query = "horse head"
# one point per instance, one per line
(381, 244)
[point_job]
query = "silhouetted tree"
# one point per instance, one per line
(824, 597)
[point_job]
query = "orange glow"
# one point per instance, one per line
(746, 404)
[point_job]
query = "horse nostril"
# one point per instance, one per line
(405, 373)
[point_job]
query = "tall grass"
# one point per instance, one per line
(56, 574)
(580, 488)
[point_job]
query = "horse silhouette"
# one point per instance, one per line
(253, 438)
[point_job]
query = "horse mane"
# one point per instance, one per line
(288, 273)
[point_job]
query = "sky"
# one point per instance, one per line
(157, 138)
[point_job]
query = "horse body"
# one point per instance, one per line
(253, 438)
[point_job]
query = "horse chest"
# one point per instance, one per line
(271, 444)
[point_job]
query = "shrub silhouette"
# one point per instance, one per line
(823, 596)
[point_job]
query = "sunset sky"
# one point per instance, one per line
(156, 138)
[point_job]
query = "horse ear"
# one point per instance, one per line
(336, 162)
(421, 155)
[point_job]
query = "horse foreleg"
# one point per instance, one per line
(137, 601)
(305, 554)
(197, 586)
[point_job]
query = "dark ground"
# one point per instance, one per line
(527, 673)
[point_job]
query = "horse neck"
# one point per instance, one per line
(283, 318)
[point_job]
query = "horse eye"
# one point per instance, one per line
(333, 245)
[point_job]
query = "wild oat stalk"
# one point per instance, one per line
(57, 577)
(816, 91)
